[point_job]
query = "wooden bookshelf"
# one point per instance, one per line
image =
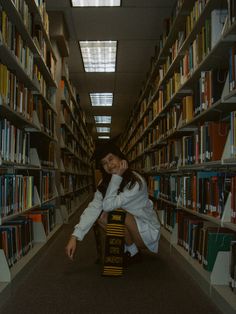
(75, 145)
(31, 166)
(168, 137)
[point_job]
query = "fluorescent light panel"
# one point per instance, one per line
(99, 56)
(103, 137)
(103, 130)
(102, 119)
(101, 99)
(95, 3)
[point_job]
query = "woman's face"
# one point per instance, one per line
(111, 163)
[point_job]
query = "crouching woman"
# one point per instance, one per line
(124, 188)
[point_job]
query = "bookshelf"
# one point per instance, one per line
(181, 136)
(29, 215)
(32, 204)
(75, 147)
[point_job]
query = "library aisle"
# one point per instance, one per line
(51, 283)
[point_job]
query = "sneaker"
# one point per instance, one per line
(129, 260)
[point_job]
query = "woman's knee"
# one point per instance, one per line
(102, 220)
(133, 230)
(129, 219)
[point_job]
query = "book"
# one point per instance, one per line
(217, 239)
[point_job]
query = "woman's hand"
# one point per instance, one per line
(123, 167)
(71, 247)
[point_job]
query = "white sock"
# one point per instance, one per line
(131, 248)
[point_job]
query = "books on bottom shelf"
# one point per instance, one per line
(24, 242)
(6, 273)
(222, 260)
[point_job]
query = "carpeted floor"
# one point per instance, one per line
(51, 283)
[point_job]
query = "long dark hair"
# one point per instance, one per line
(129, 180)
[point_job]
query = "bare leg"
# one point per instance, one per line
(132, 234)
(102, 221)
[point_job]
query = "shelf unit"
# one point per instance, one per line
(29, 215)
(182, 132)
(32, 207)
(76, 174)
(217, 291)
(75, 147)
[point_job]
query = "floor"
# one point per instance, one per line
(51, 283)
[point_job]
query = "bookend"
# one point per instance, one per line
(114, 244)
(220, 272)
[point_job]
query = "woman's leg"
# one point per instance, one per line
(132, 234)
(102, 220)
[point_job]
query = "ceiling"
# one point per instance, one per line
(137, 26)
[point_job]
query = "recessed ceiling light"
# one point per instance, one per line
(101, 99)
(95, 3)
(99, 56)
(103, 137)
(103, 130)
(102, 119)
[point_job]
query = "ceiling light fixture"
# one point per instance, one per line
(99, 56)
(104, 137)
(101, 99)
(95, 3)
(102, 119)
(103, 130)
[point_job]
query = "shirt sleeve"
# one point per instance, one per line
(112, 200)
(89, 216)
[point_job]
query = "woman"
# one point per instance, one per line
(120, 187)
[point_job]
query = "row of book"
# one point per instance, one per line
(168, 22)
(45, 114)
(45, 215)
(32, 66)
(70, 124)
(70, 141)
(36, 31)
(47, 185)
(209, 87)
(16, 194)
(71, 183)
(206, 144)
(206, 192)
(203, 144)
(16, 238)
(14, 143)
(206, 92)
(195, 13)
(17, 235)
(41, 4)
(13, 40)
(183, 34)
(201, 239)
(74, 166)
(205, 40)
(14, 94)
(69, 95)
